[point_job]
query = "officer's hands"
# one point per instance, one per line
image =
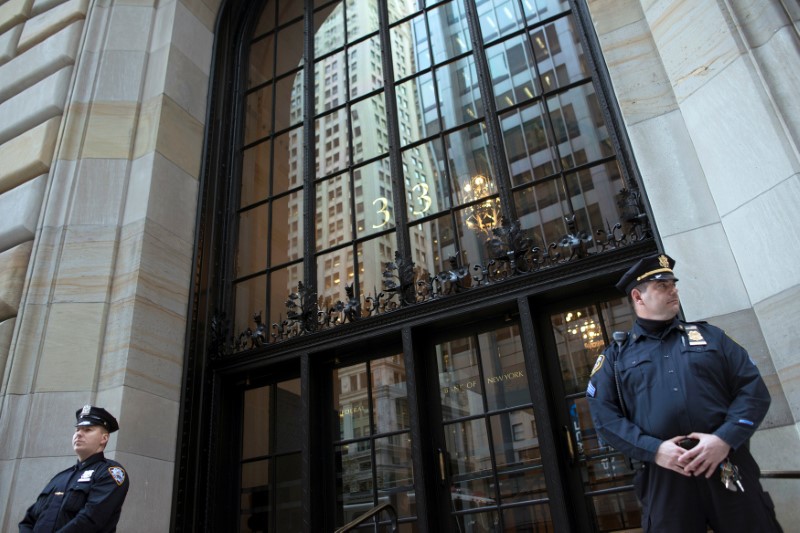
(704, 458)
(669, 455)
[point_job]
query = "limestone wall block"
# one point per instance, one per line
(51, 22)
(8, 43)
(13, 12)
(35, 105)
(71, 348)
(6, 331)
(28, 155)
(20, 208)
(13, 265)
(39, 62)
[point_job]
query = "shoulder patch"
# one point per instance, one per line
(598, 364)
(118, 473)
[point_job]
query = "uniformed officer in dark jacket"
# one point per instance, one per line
(88, 496)
(683, 399)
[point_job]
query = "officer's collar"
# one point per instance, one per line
(638, 331)
(99, 456)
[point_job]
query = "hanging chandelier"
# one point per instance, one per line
(483, 216)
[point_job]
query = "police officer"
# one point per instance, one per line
(683, 399)
(88, 496)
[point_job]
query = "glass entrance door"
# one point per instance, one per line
(604, 480)
(490, 460)
(486, 438)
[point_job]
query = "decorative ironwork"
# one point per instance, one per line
(511, 252)
(402, 289)
(219, 326)
(633, 227)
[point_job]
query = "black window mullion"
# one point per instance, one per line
(392, 124)
(496, 148)
(309, 154)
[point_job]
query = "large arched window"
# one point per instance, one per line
(416, 149)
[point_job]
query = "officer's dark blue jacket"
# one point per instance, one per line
(84, 498)
(691, 378)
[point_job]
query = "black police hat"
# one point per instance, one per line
(95, 416)
(656, 267)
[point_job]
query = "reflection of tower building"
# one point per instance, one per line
(371, 191)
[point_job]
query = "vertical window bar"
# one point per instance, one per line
(309, 154)
(392, 123)
(496, 146)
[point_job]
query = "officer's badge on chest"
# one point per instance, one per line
(86, 475)
(694, 336)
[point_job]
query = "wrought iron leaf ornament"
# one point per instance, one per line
(402, 271)
(512, 251)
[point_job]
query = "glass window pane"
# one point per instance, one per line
(364, 67)
(333, 206)
(258, 114)
(255, 430)
(468, 158)
(329, 22)
(615, 512)
(403, 8)
(288, 493)
(255, 173)
(475, 224)
(435, 245)
(373, 186)
(537, 10)
(504, 368)
(370, 137)
(334, 271)
(289, 101)
(498, 18)
(540, 209)
(290, 48)
(460, 386)
(516, 442)
(389, 394)
(417, 109)
(283, 282)
(362, 18)
(288, 418)
(255, 504)
(459, 93)
(528, 144)
(486, 521)
(427, 189)
(287, 171)
(262, 61)
(472, 476)
(330, 132)
(408, 57)
(536, 518)
(513, 75)
(288, 11)
(286, 241)
(267, 20)
(450, 33)
(394, 468)
(251, 254)
(581, 139)
(559, 54)
(354, 485)
(351, 402)
(373, 254)
(250, 296)
(329, 81)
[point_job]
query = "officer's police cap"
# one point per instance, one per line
(655, 267)
(90, 415)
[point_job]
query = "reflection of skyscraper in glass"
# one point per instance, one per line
(359, 70)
